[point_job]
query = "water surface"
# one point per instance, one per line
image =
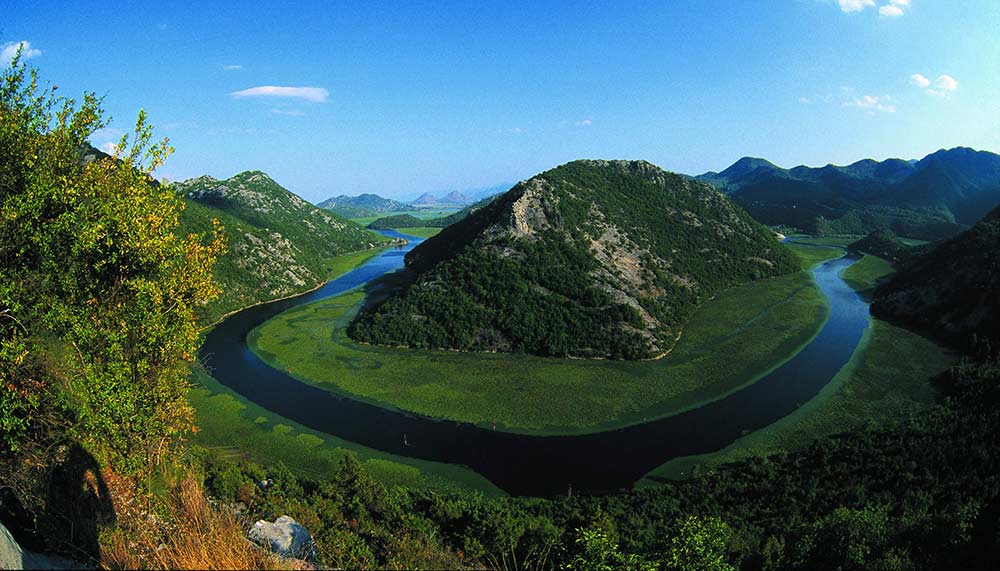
(537, 465)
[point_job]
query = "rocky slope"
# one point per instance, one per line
(603, 259)
(278, 243)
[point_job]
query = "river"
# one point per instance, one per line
(537, 465)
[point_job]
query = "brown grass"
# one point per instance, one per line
(195, 535)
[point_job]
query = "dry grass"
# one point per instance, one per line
(194, 535)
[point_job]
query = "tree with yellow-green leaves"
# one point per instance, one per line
(98, 289)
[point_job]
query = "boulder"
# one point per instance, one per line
(285, 538)
(13, 557)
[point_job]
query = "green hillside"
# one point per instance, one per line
(278, 244)
(951, 290)
(362, 206)
(603, 259)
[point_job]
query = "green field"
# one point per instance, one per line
(422, 213)
(811, 255)
(886, 379)
(229, 422)
(865, 274)
(420, 231)
(757, 327)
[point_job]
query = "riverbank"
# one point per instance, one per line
(757, 327)
(887, 379)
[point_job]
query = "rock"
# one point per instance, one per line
(13, 557)
(285, 538)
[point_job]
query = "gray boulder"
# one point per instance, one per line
(285, 538)
(13, 557)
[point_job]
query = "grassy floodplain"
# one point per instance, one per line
(757, 326)
(866, 273)
(230, 422)
(420, 231)
(887, 378)
(422, 213)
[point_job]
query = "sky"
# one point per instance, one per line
(399, 98)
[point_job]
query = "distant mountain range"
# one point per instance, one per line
(935, 197)
(278, 244)
(600, 259)
(366, 205)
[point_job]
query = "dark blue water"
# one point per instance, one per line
(536, 465)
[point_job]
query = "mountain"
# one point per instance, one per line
(883, 243)
(933, 198)
(278, 244)
(425, 199)
(951, 290)
(455, 197)
(398, 221)
(604, 259)
(362, 205)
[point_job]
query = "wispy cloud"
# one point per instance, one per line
(313, 94)
(290, 112)
(511, 131)
(855, 5)
(872, 104)
(232, 67)
(584, 123)
(804, 100)
(8, 50)
(888, 8)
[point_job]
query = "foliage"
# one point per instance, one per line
(99, 289)
(917, 494)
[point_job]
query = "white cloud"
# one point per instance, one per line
(919, 80)
(8, 50)
(872, 104)
(890, 11)
(900, 2)
(946, 83)
(314, 94)
(940, 87)
(804, 100)
(290, 112)
(233, 67)
(584, 123)
(109, 148)
(855, 5)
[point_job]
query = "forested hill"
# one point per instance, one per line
(932, 198)
(603, 259)
(278, 244)
(362, 205)
(953, 290)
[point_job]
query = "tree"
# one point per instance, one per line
(98, 291)
(700, 545)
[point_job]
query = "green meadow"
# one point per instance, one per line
(422, 213)
(420, 231)
(756, 327)
(887, 378)
(233, 424)
(866, 273)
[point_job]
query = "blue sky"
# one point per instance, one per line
(400, 98)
